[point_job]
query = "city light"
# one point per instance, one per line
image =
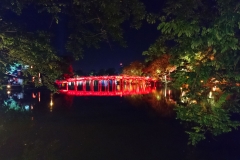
(33, 95)
(51, 105)
(39, 97)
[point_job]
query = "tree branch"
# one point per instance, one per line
(93, 20)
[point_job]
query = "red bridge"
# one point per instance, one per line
(106, 85)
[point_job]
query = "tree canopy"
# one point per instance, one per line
(203, 40)
(158, 66)
(134, 69)
(89, 24)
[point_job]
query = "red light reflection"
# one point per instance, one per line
(107, 93)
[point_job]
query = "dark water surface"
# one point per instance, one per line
(101, 128)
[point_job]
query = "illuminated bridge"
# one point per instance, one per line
(106, 85)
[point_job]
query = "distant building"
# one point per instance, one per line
(15, 74)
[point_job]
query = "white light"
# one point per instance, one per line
(210, 94)
(214, 88)
(51, 103)
(8, 86)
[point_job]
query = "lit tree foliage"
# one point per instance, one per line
(157, 67)
(134, 69)
(89, 22)
(33, 50)
(203, 39)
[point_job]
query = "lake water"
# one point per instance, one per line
(37, 125)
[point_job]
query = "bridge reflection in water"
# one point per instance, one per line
(106, 85)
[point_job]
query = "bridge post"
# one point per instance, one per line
(84, 84)
(99, 84)
(75, 85)
(105, 86)
(141, 85)
(113, 84)
(80, 85)
(92, 85)
(144, 85)
(137, 87)
(121, 84)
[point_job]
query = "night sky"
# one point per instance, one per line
(137, 42)
(111, 57)
(105, 57)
